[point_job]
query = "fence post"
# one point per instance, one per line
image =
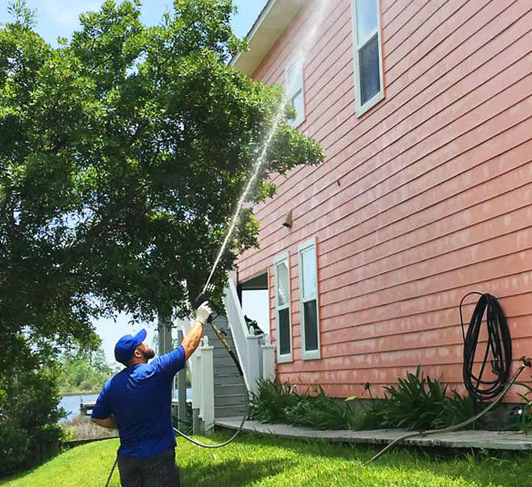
(182, 390)
(196, 392)
(268, 361)
(207, 380)
(253, 361)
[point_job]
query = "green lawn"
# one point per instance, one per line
(269, 462)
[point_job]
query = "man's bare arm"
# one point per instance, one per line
(193, 338)
(108, 423)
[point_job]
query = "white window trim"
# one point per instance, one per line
(361, 109)
(287, 357)
(302, 116)
(312, 354)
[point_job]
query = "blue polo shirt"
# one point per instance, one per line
(140, 400)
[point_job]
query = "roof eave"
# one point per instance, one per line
(271, 23)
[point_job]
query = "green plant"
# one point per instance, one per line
(321, 412)
(456, 410)
(29, 415)
(525, 412)
(417, 402)
(271, 401)
(421, 403)
(68, 433)
(275, 402)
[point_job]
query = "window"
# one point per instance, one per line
(308, 287)
(282, 308)
(368, 54)
(294, 89)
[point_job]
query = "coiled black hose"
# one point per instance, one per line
(498, 348)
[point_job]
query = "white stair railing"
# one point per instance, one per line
(207, 385)
(248, 346)
(201, 365)
(255, 353)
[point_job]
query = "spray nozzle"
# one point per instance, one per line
(204, 296)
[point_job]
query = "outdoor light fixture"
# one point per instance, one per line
(287, 220)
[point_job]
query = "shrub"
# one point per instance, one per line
(321, 412)
(525, 412)
(275, 402)
(270, 402)
(418, 403)
(14, 446)
(456, 410)
(415, 403)
(28, 417)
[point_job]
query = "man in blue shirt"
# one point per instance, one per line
(138, 402)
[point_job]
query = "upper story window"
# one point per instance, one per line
(368, 54)
(294, 90)
(308, 289)
(282, 308)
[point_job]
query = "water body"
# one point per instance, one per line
(72, 403)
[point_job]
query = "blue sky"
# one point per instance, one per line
(60, 18)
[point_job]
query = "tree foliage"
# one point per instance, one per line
(82, 370)
(28, 417)
(122, 155)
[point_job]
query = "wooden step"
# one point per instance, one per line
(229, 389)
(229, 412)
(230, 400)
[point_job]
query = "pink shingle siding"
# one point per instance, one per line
(422, 199)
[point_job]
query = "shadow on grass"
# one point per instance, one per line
(234, 473)
(29, 469)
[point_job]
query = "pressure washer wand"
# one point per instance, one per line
(202, 298)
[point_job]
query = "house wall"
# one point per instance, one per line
(423, 199)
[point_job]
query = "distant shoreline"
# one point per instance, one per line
(79, 393)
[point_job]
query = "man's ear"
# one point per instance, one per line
(137, 353)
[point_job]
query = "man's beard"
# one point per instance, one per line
(147, 352)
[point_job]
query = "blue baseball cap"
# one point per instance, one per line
(125, 347)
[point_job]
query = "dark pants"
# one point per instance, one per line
(158, 471)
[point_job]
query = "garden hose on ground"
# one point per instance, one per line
(499, 344)
(526, 363)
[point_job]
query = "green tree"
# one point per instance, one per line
(82, 370)
(28, 417)
(123, 154)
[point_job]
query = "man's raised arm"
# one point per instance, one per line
(193, 337)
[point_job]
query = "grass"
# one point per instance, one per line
(272, 462)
